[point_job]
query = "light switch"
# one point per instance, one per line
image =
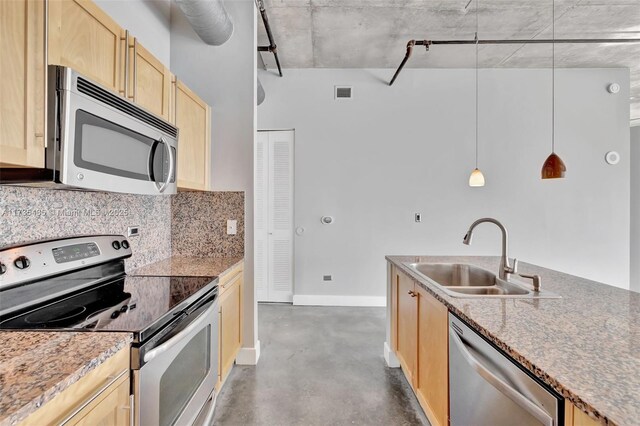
(232, 227)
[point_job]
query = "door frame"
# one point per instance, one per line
(293, 211)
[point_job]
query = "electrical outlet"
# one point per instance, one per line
(418, 217)
(232, 227)
(133, 231)
(327, 278)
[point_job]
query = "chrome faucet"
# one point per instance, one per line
(506, 270)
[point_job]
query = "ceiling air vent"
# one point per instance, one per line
(343, 92)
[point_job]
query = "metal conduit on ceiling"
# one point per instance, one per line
(209, 19)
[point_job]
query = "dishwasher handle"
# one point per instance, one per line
(499, 384)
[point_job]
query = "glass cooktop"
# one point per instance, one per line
(140, 305)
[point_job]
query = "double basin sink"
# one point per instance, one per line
(464, 280)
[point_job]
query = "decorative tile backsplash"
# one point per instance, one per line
(28, 214)
(199, 223)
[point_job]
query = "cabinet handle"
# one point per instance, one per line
(108, 382)
(135, 70)
(231, 281)
(126, 63)
(412, 293)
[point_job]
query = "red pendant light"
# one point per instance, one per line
(553, 167)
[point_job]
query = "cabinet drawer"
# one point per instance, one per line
(92, 392)
(229, 276)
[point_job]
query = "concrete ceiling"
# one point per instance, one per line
(374, 33)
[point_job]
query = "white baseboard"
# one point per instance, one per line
(311, 300)
(390, 357)
(249, 356)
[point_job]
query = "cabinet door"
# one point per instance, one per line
(230, 324)
(192, 118)
(394, 307)
(573, 416)
(22, 83)
(149, 80)
(83, 37)
(407, 325)
(99, 398)
(112, 410)
(432, 378)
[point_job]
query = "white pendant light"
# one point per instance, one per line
(476, 178)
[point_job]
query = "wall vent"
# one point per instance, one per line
(343, 92)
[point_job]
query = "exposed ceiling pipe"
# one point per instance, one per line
(428, 43)
(209, 19)
(260, 92)
(272, 44)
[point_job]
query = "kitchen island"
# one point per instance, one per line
(584, 345)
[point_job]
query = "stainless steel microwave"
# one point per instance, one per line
(98, 140)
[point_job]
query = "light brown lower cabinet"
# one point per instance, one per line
(419, 336)
(407, 325)
(101, 398)
(230, 321)
(431, 380)
(573, 416)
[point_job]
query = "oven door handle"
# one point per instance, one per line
(195, 324)
(172, 166)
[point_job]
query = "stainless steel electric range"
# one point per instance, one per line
(80, 284)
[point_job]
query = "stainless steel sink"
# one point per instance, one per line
(463, 280)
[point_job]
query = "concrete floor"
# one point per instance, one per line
(319, 366)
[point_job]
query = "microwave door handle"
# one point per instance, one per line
(172, 166)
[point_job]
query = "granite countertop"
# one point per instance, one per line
(37, 366)
(585, 345)
(187, 266)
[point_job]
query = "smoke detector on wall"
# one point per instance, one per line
(343, 92)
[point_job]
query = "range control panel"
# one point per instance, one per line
(42, 259)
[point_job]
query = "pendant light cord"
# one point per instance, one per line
(477, 83)
(553, 77)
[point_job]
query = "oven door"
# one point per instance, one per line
(179, 371)
(104, 149)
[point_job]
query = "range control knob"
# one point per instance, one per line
(125, 244)
(115, 314)
(116, 245)
(3, 268)
(22, 262)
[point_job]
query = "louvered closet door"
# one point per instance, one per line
(261, 239)
(274, 216)
(280, 216)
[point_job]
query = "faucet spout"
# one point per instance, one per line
(505, 267)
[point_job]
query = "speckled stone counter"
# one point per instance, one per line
(37, 366)
(585, 345)
(187, 266)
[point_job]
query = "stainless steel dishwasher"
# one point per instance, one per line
(488, 388)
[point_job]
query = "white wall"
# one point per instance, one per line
(373, 161)
(225, 77)
(635, 208)
(148, 20)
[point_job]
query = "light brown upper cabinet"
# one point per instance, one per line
(149, 81)
(193, 120)
(22, 83)
(83, 37)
